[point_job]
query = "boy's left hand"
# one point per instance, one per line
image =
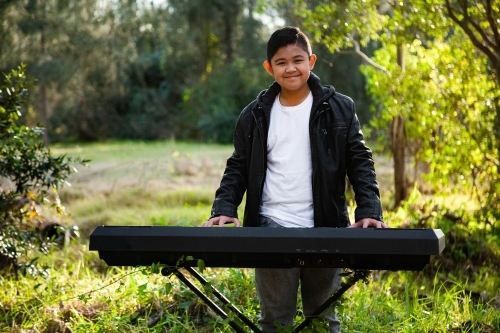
(368, 223)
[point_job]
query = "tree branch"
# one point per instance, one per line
(476, 26)
(493, 24)
(471, 35)
(357, 51)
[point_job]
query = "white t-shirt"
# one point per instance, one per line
(287, 196)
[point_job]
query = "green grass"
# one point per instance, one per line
(172, 183)
(82, 294)
(142, 183)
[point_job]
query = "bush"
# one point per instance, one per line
(29, 178)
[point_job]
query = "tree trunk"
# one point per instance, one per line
(497, 116)
(398, 146)
(228, 31)
(44, 113)
(43, 93)
(398, 152)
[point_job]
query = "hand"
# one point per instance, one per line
(221, 220)
(367, 223)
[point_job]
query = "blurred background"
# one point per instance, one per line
(150, 69)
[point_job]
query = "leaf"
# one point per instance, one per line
(208, 288)
(84, 297)
(155, 268)
(201, 265)
(168, 288)
(320, 329)
(184, 305)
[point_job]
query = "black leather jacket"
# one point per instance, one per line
(337, 150)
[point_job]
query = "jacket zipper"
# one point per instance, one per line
(313, 157)
(264, 158)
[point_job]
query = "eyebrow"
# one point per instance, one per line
(294, 57)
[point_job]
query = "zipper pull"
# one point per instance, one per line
(324, 131)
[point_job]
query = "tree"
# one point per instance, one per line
(451, 98)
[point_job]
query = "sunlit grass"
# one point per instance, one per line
(81, 293)
(112, 151)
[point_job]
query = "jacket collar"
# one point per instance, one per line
(320, 93)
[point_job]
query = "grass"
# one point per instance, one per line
(172, 183)
(137, 183)
(83, 295)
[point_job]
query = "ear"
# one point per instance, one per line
(312, 61)
(268, 68)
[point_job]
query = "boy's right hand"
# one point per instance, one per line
(221, 220)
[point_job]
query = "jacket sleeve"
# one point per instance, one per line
(361, 173)
(235, 179)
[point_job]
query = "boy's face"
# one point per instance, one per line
(290, 67)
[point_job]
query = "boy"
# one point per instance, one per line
(293, 147)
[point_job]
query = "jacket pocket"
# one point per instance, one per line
(333, 140)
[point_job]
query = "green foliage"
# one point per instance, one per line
(30, 176)
(122, 69)
(341, 24)
(219, 99)
(447, 98)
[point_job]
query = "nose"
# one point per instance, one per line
(290, 68)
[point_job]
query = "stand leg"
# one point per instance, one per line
(225, 301)
(169, 270)
(166, 271)
(358, 274)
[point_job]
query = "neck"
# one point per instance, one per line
(293, 98)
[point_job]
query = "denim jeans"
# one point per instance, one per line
(277, 290)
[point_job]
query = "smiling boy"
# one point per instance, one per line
(293, 148)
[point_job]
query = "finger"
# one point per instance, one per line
(223, 220)
(211, 222)
(207, 223)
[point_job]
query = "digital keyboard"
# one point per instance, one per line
(371, 249)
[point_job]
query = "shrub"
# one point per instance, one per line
(29, 179)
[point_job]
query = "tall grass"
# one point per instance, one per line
(81, 294)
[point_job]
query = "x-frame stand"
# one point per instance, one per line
(168, 270)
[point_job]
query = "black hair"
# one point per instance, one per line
(286, 36)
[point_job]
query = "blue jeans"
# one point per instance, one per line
(277, 290)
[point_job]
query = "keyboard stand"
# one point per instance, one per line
(168, 270)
